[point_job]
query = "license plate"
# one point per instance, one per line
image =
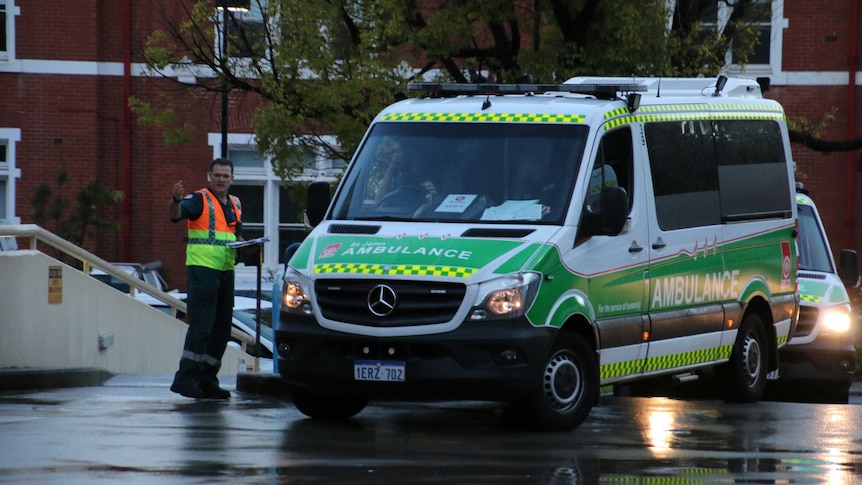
(376, 370)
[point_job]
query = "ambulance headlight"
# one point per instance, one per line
(294, 297)
(506, 297)
(836, 319)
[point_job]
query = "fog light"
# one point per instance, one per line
(283, 348)
(509, 355)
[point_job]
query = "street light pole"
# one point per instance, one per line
(224, 82)
(224, 6)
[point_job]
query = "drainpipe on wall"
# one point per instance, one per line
(127, 132)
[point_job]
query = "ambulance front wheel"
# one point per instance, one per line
(743, 378)
(569, 387)
(326, 407)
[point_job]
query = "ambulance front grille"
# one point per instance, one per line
(811, 276)
(807, 320)
(416, 302)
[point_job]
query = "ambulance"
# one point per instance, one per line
(532, 243)
(819, 362)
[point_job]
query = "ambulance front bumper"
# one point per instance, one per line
(485, 360)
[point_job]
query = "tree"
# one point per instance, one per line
(325, 68)
(49, 209)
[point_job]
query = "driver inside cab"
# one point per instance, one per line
(405, 174)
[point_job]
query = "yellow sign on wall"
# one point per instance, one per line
(55, 284)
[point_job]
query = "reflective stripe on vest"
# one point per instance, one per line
(210, 234)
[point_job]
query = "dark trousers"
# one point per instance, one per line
(210, 310)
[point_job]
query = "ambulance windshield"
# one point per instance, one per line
(813, 249)
(488, 172)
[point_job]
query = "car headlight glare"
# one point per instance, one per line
(836, 320)
(506, 297)
(293, 295)
(505, 301)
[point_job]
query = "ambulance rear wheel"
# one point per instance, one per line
(326, 407)
(569, 387)
(743, 378)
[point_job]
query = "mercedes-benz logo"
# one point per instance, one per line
(381, 300)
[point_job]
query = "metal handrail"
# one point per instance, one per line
(36, 234)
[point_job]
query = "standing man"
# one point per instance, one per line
(214, 221)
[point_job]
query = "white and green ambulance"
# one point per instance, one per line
(819, 362)
(532, 243)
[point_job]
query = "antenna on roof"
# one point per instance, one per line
(658, 89)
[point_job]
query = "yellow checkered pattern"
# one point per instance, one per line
(682, 476)
(810, 298)
(394, 269)
(695, 111)
(687, 358)
(487, 117)
(620, 369)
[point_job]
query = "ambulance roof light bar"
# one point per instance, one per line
(599, 90)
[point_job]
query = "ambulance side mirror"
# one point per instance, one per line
(848, 267)
(316, 203)
(609, 217)
(615, 207)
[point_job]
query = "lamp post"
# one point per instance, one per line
(224, 6)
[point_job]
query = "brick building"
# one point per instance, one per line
(66, 75)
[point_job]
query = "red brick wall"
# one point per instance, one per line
(824, 173)
(818, 39)
(816, 36)
(75, 123)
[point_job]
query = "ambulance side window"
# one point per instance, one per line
(684, 173)
(613, 167)
(752, 171)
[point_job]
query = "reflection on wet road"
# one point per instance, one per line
(133, 433)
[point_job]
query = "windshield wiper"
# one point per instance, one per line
(383, 218)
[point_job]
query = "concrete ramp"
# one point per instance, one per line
(54, 316)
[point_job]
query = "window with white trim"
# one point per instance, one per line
(8, 174)
(759, 15)
(269, 205)
(4, 32)
(249, 16)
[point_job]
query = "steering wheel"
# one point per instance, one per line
(404, 198)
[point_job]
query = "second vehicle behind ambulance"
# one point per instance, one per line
(819, 362)
(532, 243)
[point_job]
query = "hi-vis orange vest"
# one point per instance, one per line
(210, 234)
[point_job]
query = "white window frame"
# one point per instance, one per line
(776, 36)
(12, 11)
(255, 12)
(9, 172)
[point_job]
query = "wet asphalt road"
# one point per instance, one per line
(134, 430)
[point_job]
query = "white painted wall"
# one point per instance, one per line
(38, 334)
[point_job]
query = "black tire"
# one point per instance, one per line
(326, 407)
(743, 378)
(569, 387)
